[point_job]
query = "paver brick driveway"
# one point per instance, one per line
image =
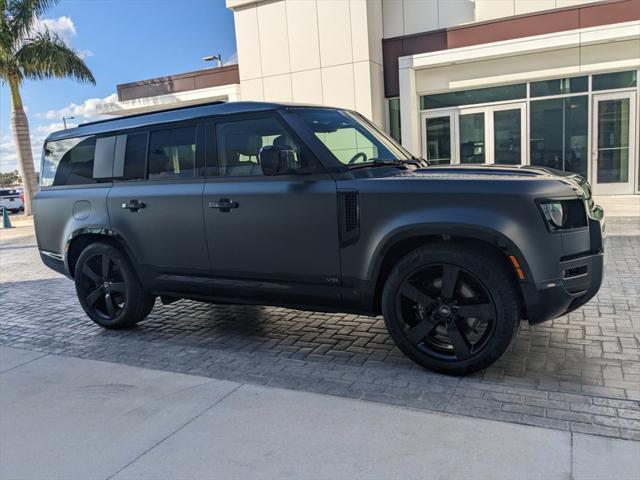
(580, 372)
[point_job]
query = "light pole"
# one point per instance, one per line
(64, 121)
(210, 58)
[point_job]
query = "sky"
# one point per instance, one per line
(121, 41)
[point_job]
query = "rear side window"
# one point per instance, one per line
(172, 153)
(135, 155)
(68, 162)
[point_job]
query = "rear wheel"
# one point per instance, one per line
(108, 288)
(451, 308)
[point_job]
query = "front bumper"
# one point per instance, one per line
(580, 279)
(553, 299)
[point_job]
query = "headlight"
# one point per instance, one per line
(554, 213)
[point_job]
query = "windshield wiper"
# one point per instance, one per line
(382, 162)
(421, 162)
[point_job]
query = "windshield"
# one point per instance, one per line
(349, 138)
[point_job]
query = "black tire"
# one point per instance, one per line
(108, 288)
(150, 303)
(462, 298)
(15, 211)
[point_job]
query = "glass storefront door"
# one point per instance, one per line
(472, 133)
(493, 134)
(613, 144)
(439, 137)
(508, 134)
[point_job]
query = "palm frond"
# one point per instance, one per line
(21, 15)
(6, 39)
(45, 55)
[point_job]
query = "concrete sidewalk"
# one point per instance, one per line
(64, 417)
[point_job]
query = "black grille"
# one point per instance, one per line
(350, 200)
(349, 217)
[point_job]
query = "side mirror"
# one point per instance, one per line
(276, 160)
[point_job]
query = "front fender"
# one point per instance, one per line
(523, 236)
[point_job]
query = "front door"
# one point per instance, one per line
(273, 238)
(614, 145)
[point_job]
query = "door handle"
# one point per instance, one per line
(224, 204)
(133, 205)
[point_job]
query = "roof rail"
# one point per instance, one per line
(120, 117)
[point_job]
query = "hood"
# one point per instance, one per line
(492, 170)
(575, 181)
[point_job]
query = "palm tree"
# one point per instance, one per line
(30, 54)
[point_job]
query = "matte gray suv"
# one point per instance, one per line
(314, 208)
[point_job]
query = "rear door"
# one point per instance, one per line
(270, 237)
(155, 203)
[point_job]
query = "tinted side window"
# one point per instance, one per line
(172, 153)
(239, 145)
(135, 155)
(68, 162)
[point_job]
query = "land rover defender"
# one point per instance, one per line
(314, 208)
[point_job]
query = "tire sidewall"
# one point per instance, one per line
(489, 270)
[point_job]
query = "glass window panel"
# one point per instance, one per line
(507, 134)
(439, 140)
(559, 133)
(559, 86)
(469, 97)
(547, 125)
(472, 147)
(240, 142)
(135, 155)
(172, 153)
(608, 81)
(68, 162)
(576, 134)
(613, 166)
(613, 141)
(394, 118)
(350, 139)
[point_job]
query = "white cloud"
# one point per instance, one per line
(63, 26)
(86, 110)
(8, 156)
(44, 130)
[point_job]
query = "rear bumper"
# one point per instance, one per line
(54, 261)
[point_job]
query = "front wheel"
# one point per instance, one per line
(108, 288)
(451, 308)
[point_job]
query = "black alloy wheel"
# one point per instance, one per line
(452, 307)
(108, 287)
(102, 285)
(446, 311)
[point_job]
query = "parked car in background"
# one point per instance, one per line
(12, 199)
(314, 208)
